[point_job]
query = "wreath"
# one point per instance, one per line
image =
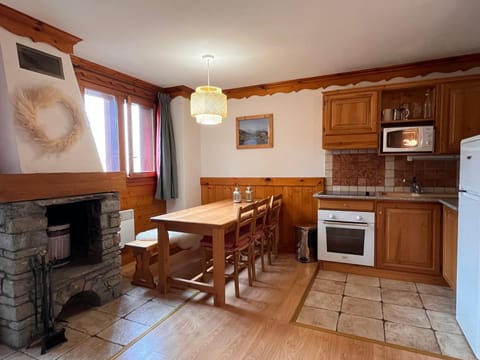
(30, 101)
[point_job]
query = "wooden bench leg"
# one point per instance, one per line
(143, 275)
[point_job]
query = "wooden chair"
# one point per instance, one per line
(272, 226)
(259, 232)
(235, 242)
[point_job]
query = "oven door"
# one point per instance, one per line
(346, 242)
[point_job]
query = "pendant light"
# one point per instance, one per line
(208, 104)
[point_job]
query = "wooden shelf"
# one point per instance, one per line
(408, 121)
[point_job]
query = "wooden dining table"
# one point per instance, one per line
(214, 219)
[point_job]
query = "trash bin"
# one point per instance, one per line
(306, 242)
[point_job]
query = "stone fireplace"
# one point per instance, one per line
(93, 269)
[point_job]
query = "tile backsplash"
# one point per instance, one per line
(364, 170)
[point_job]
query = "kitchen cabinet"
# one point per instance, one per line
(408, 236)
(459, 114)
(450, 223)
(350, 119)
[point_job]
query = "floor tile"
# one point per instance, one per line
(93, 348)
(411, 336)
(126, 284)
(122, 332)
(74, 338)
(149, 313)
(322, 318)
(363, 280)
(19, 356)
(400, 297)
(398, 285)
(362, 307)
(435, 290)
(331, 275)
(454, 345)
(175, 297)
(328, 286)
(143, 292)
(122, 306)
(324, 301)
(444, 322)
(361, 326)
(5, 351)
(438, 303)
(91, 321)
(406, 315)
(363, 292)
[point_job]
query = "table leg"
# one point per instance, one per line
(163, 255)
(218, 235)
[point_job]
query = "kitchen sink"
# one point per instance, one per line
(421, 195)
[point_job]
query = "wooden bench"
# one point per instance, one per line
(146, 246)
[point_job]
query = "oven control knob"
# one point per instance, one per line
(358, 218)
(331, 216)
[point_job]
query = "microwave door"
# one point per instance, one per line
(403, 139)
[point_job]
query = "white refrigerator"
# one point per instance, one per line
(468, 260)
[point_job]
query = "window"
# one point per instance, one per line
(102, 113)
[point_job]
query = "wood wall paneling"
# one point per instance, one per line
(298, 206)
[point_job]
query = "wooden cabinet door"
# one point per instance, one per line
(460, 114)
(350, 120)
(450, 222)
(408, 237)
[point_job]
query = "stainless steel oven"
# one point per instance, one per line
(346, 236)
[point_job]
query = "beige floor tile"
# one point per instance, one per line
(19, 356)
(361, 326)
(5, 351)
(143, 292)
(435, 290)
(363, 292)
(444, 322)
(91, 321)
(411, 336)
(399, 297)
(122, 332)
(363, 280)
(438, 303)
(93, 348)
(126, 284)
(398, 285)
(324, 301)
(175, 297)
(328, 286)
(454, 345)
(406, 315)
(331, 275)
(150, 312)
(74, 338)
(122, 306)
(362, 307)
(325, 319)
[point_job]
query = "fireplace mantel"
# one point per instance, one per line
(20, 187)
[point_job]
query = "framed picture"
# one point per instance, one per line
(255, 131)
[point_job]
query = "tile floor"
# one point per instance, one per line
(404, 313)
(101, 332)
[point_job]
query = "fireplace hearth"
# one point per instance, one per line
(93, 270)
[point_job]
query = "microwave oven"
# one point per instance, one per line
(408, 139)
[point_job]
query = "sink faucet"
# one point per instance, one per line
(415, 187)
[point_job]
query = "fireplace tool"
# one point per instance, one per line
(42, 274)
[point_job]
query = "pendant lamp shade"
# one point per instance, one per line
(208, 104)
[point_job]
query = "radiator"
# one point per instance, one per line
(127, 226)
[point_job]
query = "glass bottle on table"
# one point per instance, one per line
(427, 105)
(237, 195)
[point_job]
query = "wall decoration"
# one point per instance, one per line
(30, 101)
(255, 131)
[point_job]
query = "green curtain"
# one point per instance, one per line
(167, 184)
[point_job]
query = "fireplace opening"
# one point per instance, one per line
(77, 304)
(79, 223)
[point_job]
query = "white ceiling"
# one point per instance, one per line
(259, 41)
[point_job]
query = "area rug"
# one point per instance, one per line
(414, 316)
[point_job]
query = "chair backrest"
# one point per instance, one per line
(247, 216)
(262, 207)
(273, 218)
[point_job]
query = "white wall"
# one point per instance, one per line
(297, 148)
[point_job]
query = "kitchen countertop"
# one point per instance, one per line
(450, 199)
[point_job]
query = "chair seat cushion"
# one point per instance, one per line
(182, 240)
(207, 240)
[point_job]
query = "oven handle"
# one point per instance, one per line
(361, 224)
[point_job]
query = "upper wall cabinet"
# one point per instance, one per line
(459, 114)
(350, 119)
